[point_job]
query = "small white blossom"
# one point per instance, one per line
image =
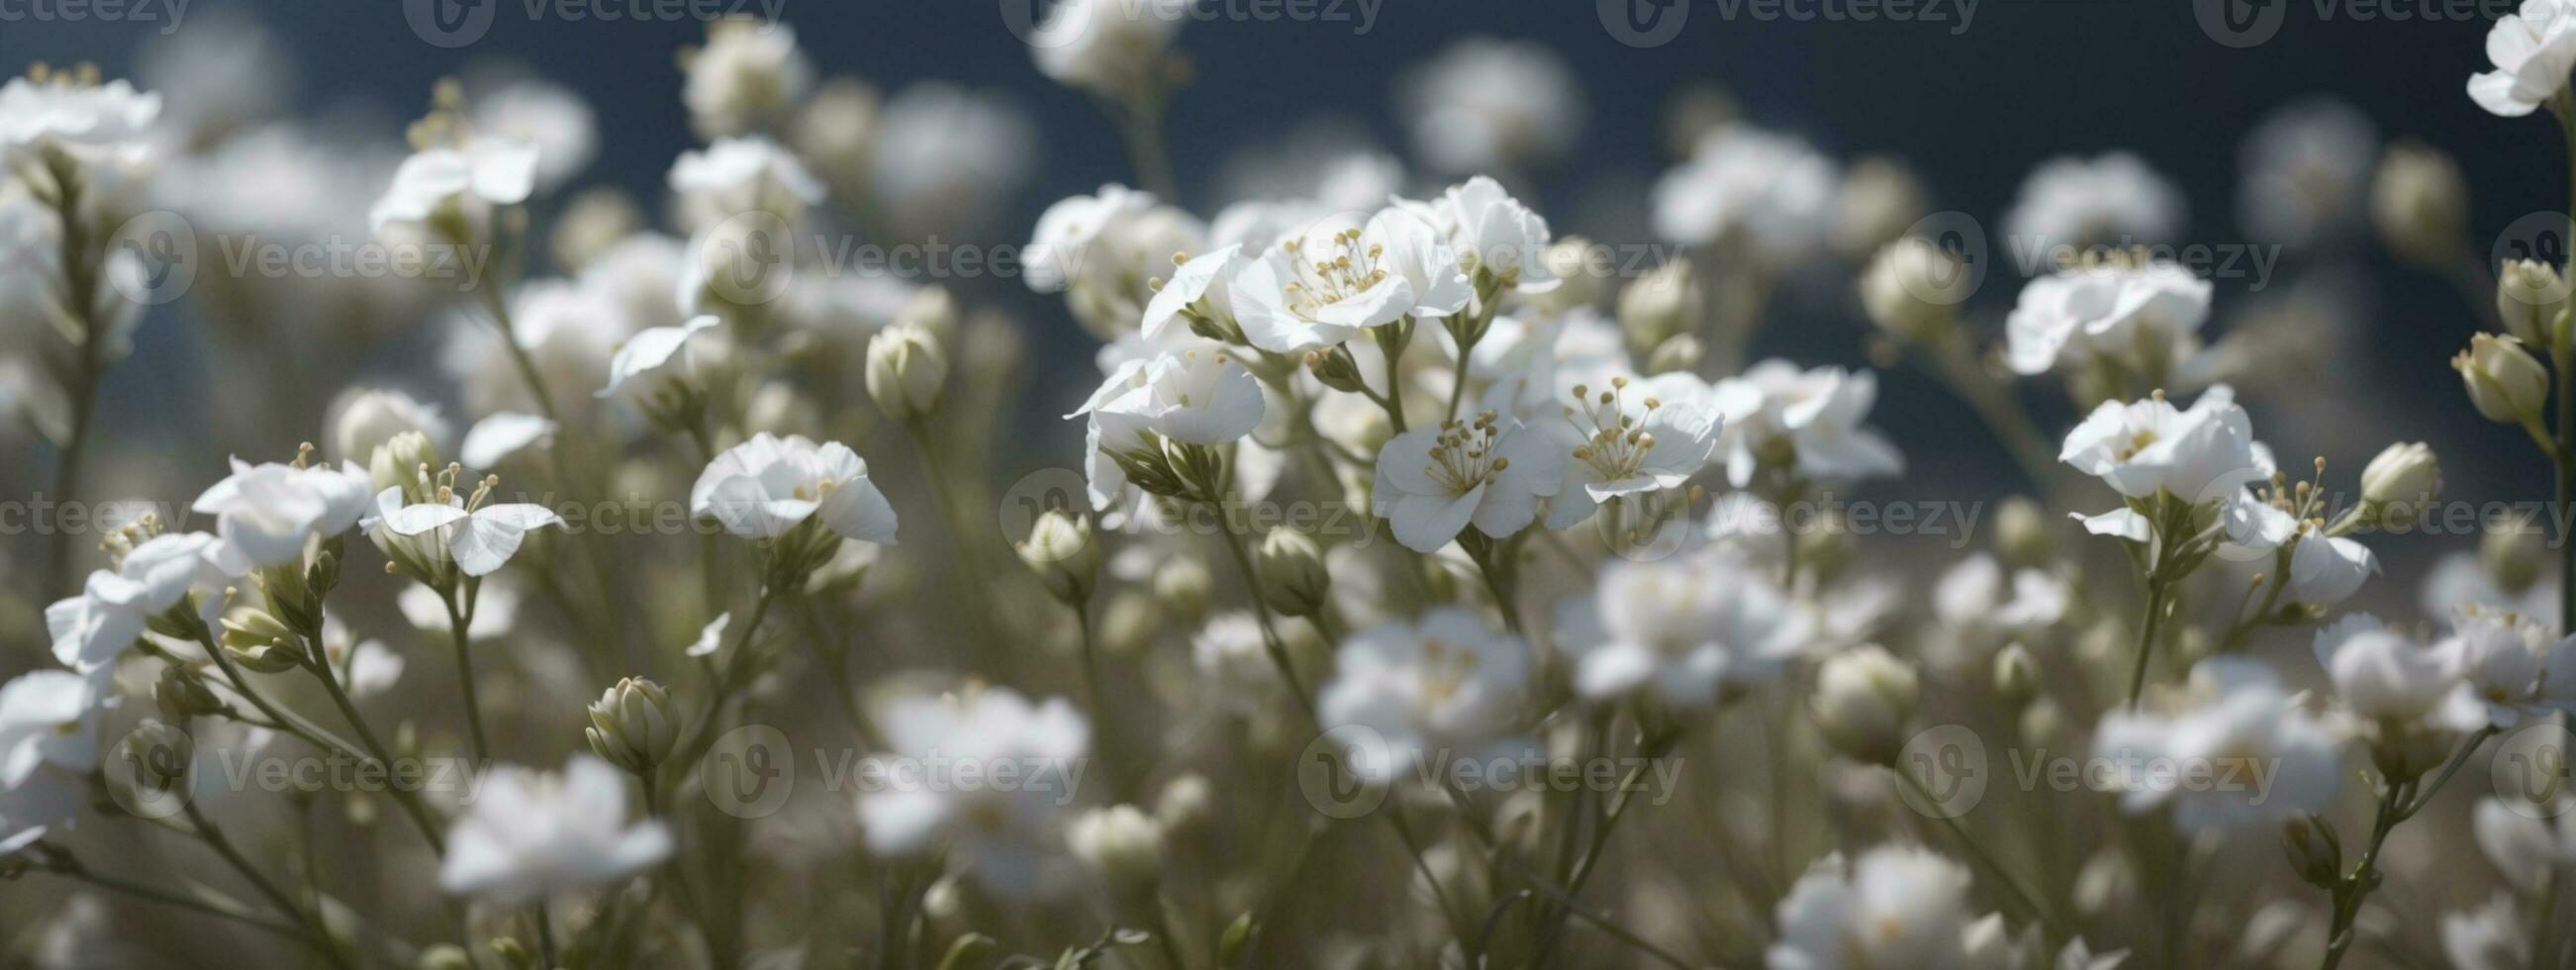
(265, 514)
(2143, 318)
(1692, 630)
(90, 630)
(1449, 685)
(766, 486)
(1814, 416)
(1632, 439)
(739, 175)
(363, 418)
(2532, 49)
(1433, 482)
(1486, 104)
(2509, 666)
(1325, 286)
(746, 77)
(1894, 906)
(654, 357)
(998, 830)
(2381, 674)
(2489, 937)
(2204, 454)
(501, 435)
(1109, 47)
(527, 834)
(462, 184)
(2235, 724)
(48, 747)
(2113, 198)
(1769, 192)
(479, 538)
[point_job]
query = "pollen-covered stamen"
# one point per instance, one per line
(1464, 456)
(1613, 443)
(1344, 270)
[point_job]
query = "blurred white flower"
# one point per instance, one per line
(362, 418)
(545, 115)
(653, 359)
(947, 159)
(265, 514)
(2201, 455)
(2142, 318)
(1104, 250)
(447, 194)
(1894, 906)
(1324, 286)
(500, 435)
(2237, 752)
(2111, 198)
(999, 830)
(2532, 49)
(1492, 105)
(1768, 192)
(765, 486)
(1447, 686)
(1693, 630)
(740, 175)
(74, 113)
(1807, 422)
(2489, 937)
(1434, 481)
(90, 630)
(1108, 47)
(496, 611)
(746, 77)
(2307, 172)
(2383, 675)
(48, 747)
(2509, 666)
(527, 834)
(2527, 844)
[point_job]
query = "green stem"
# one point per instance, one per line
(404, 796)
(2158, 592)
(221, 907)
(2356, 886)
(312, 922)
(1270, 640)
(2024, 898)
(1648, 750)
(80, 293)
(459, 620)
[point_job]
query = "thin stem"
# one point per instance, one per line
(2158, 592)
(981, 613)
(519, 358)
(2356, 886)
(404, 796)
(1649, 750)
(219, 906)
(1393, 351)
(2024, 898)
(312, 922)
(80, 293)
(459, 620)
(1090, 652)
(1270, 641)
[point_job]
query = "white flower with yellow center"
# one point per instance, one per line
(1894, 906)
(768, 485)
(1321, 288)
(1632, 440)
(1447, 687)
(1433, 482)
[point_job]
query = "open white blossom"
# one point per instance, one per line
(739, 175)
(2234, 723)
(999, 831)
(1434, 481)
(2383, 675)
(1692, 630)
(2144, 319)
(1894, 906)
(745, 78)
(2206, 453)
(2533, 50)
(765, 486)
(265, 514)
(48, 747)
(527, 834)
(1630, 439)
(1337, 279)
(92, 122)
(1191, 397)
(1449, 685)
(1807, 422)
(545, 115)
(478, 537)
(1108, 47)
(653, 358)
(2114, 198)
(90, 630)
(1492, 232)
(448, 193)
(1768, 192)
(2509, 666)
(2307, 172)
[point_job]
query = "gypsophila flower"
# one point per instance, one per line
(2532, 49)
(48, 747)
(2233, 751)
(1770, 193)
(1486, 104)
(529, 833)
(1805, 422)
(1108, 47)
(1337, 279)
(362, 419)
(147, 580)
(2307, 169)
(2381, 674)
(766, 486)
(1629, 440)
(1894, 906)
(266, 514)
(1187, 398)
(2509, 666)
(448, 193)
(1433, 482)
(2141, 317)
(744, 78)
(2112, 198)
(741, 175)
(1692, 631)
(1448, 686)
(653, 359)
(2204, 454)
(2489, 937)
(2527, 844)
(448, 527)
(997, 830)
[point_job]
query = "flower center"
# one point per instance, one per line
(1464, 456)
(1342, 271)
(1613, 444)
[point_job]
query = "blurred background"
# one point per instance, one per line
(1972, 107)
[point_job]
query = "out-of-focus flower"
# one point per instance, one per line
(1000, 832)
(545, 116)
(653, 359)
(2509, 666)
(1492, 105)
(1433, 482)
(2420, 203)
(1120, 844)
(1768, 192)
(2234, 720)
(2204, 454)
(2529, 297)
(1912, 288)
(1803, 421)
(2489, 937)
(739, 175)
(1061, 551)
(363, 419)
(1108, 47)
(745, 79)
(763, 487)
(1894, 906)
(2143, 319)
(946, 158)
(447, 194)
(2113, 198)
(2526, 843)
(2400, 484)
(48, 747)
(115, 605)
(1863, 698)
(1880, 199)
(73, 112)
(1446, 686)
(2307, 167)
(2382, 675)
(529, 833)
(1692, 631)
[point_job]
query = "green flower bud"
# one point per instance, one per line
(1863, 698)
(261, 642)
(1061, 551)
(906, 371)
(633, 725)
(1293, 578)
(2506, 383)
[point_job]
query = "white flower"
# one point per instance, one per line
(1321, 288)
(2307, 171)
(1486, 104)
(1972, 594)
(1493, 232)
(999, 830)
(48, 747)
(2115, 197)
(763, 487)
(2509, 665)
(1895, 906)
(1448, 685)
(739, 175)
(1191, 397)
(1631, 441)
(946, 158)
(1232, 653)
(1058, 245)
(710, 637)
(1109, 47)
(501, 435)
(496, 611)
(1692, 630)
(478, 538)
(528, 834)
(1814, 415)
(363, 418)
(66, 111)
(1769, 192)
(2383, 675)
(1202, 284)
(266, 513)
(2143, 318)
(2204, 454)
(2489, 937)
(2529, 844)
(91, 629)
(545, 115)
(1434, 481)
(462, 184)
(653, 358)
(748, 75)
(2238, 753)
(2533, 50)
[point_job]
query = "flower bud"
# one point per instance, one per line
(1120, 844)
(364, 419)
(1293, 579)
(633, 725)
(836, 133)
(1679, 352)
(261, 642)
(1061, 551)
(1913, 289)
(2512, 553)
(444, 956)
(181, 694)
(2505, 382)
(2021, 533)
(147, 772)
(905, 371)
(932, 309)
(1664, 302)
(2529, 297)
(2420, 203)
(1336, 368)
(2400, 483)
(2016, 675)
(397, 463)
(2316, 854)
(1863, 698)
(1184, 802)
(1129, 622)
(1182, 585)
(1880, 197)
